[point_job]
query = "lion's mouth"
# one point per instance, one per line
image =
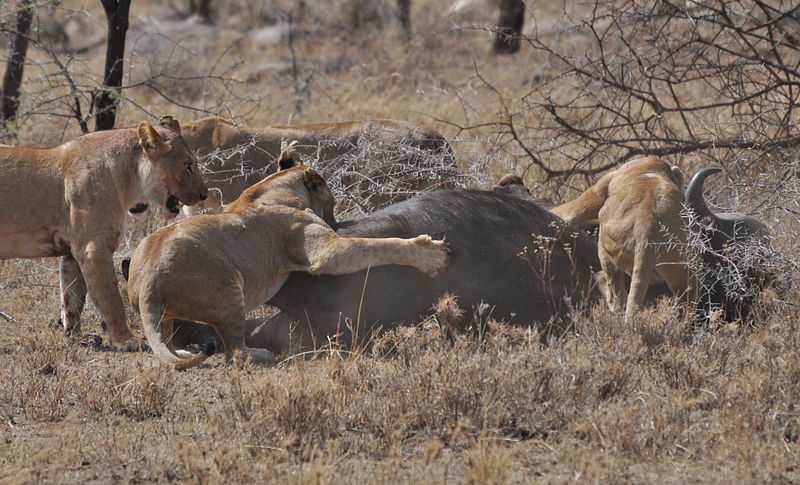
(139, 208)
(174, 204)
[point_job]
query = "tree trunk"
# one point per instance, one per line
(404, 13)
(509, 26)
(201, 8)
(16, 63)
(108, 102)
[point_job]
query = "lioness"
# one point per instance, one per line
(638, 207)
(71, 201)
(385, 160)
(215, 268)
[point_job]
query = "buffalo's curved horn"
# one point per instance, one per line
(694, 192)
(733, 224)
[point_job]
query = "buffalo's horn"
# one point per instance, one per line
(733, 224)
(694, 193)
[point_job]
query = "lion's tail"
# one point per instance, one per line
(585, 210)
(156, 326)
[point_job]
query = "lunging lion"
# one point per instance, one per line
(214, 268)
(71, 201)
(638, 207)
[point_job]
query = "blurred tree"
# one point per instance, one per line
(509, 26)
(9, 100)
(201, 8)
(117, 16)
(404, 14)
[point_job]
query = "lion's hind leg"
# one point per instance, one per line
(644, 262)
(611, 281)
(679, 278)
(226, 313)
(232, 335)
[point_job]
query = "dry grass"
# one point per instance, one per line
(609, 403)
(613, 402)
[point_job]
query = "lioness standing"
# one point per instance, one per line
(71, 201)
(638, 207)
(215, 268)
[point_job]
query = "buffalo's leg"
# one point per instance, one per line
(73, 295)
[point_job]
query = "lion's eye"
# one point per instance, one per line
(189, 168)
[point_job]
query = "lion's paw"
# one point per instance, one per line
(433, 255)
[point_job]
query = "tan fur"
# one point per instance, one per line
(638, 207)
(215, 268)
(327, 141)
(71, 201)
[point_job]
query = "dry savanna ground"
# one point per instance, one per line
(645, 401)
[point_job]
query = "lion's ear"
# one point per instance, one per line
(678, 174)
(151, 141)
(314, 181)
(285, 163)
(170, 123)
(287, 158)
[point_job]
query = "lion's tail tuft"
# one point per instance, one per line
(153, 322)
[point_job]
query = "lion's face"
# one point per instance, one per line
(173, 178)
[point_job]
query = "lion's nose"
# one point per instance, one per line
(203, 194)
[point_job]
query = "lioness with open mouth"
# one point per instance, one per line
(71, 201)
(215, 268)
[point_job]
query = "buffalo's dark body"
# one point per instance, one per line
(734, 249)
(505, 251)
(733, 274)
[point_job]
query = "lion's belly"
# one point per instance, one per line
(37, 244)
(260, 290)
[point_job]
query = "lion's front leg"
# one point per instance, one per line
(73, 295)
(331, 254)
(97, 267)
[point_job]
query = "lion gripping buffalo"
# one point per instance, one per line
(639, 207)
(508, 255)
(215, 268)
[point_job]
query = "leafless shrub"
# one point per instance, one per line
(367, 174)
(657, 78)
